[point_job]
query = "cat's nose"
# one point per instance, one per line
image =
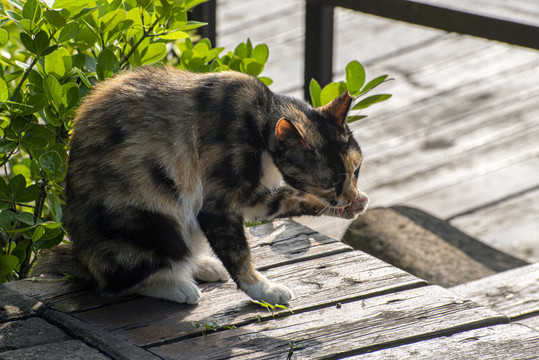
(350, 193)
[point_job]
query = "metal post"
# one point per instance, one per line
(206, 12)
(318, 45)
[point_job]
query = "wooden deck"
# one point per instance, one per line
(459, 139)
(347, 303)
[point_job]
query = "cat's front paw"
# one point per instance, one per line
(269, 292)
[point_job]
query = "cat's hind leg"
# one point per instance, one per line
(175, 284)
(207, 267)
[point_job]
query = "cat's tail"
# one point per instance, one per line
(59, 260)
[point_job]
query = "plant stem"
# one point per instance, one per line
(25, 75)
(123, 62)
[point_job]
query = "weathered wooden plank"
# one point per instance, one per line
(499, 342)
(514, 293)
(273, 244)
(316, 283)
(346, 329)
(510, 225)
(47, 287)
(439, 173)
(283, 242)
(531, 322)
(489, 188)
(285, 39)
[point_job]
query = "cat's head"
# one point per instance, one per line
(317, 153)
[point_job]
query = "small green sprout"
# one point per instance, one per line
(211, 326)
(271, 308)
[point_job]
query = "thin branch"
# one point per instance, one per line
(123, 62)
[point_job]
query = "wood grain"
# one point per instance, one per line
(364, 325)
(499, 342)
(316, 283)
(514, 293)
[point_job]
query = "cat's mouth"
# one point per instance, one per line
(338, 209)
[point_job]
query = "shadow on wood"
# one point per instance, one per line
(426, 246)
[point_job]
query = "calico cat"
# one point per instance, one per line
(166, 165)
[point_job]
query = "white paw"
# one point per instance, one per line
(183, 293)
(269, 292)
(210, 269)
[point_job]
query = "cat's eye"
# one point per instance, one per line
(356, 173)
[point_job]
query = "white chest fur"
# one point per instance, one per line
(271, 176)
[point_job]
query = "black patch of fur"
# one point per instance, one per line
(145, 229)
(162, 180)
(120, 278)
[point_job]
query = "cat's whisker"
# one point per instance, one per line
(324, 209)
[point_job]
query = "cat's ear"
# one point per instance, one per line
(286, 133)
(338, 108)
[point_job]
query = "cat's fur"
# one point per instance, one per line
(165, 166)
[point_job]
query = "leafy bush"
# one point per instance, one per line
(52, 53)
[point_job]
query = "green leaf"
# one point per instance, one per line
(50, 239)
(70, 4)
(355, 77)
(53, 90)
(54, 206)
(8, 263)
(7, 146)
(7, 217)
(330, 92)
(51, 162)
(54, 64)
(55, 18)
(370, 101)
(48, 50)
(28, 194)
(352, 118)
(36, 102)
(21, 168)
(174, 35)
(241, 51)
(3, 37)
(41, 42)
(51, 118)
(38, 233)
(26, 218)
(373, 83)
(36, 137)
(260, 53)
(143, 3)
(68, 32)
(153, 53)
(107, 64)
(5, 193)
(191, 25)
(250, 66)
(84, 12)
(72, 95)
(110, 20)
(314, 90)
(4, 92)
(31, 11)
(28, 42)
(266, 80)
(28, 26)
(18, 184)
